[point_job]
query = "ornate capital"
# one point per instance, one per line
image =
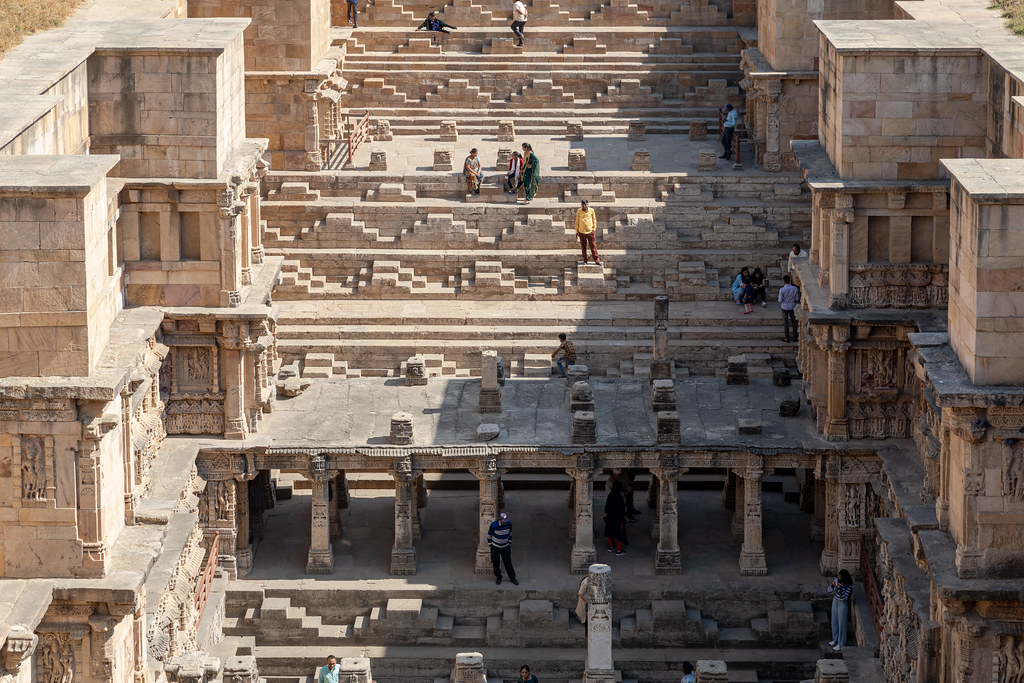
(318, 468)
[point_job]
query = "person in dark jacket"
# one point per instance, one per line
(432, 23)
(615, 520)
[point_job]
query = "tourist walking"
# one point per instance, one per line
(568, 352)
(728, 130)
(789, 295)
(499, 539)
(329, 672)
(795, 253)
(525, 675)
(737, 285)
(531, 171)
(586, 230)
(432, 23)
(625, 479)
(515, 170)
(615, 520)
(519, 17)
(760, 285)
(687, 673)
(353, 12)
(841, 589)
(471, 169)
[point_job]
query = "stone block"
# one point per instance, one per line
(707, 160)
(488, 431)
(504, 155)
(668, 426)
(831, 671)
(506, 132)
(584, 427)
(663, 395)
(711, 671)
(401, 429)
(535, 613)
(378, 160)
(698, 130)
(749, 426)
(736, 371)
(574, 131)
(641, 160)
(415, 371)
(582, 397)
(780, 377)
(469, 668)
(637, 131)
(449, 131)
(489, 400)
(577, 160)
(382, 131)
(577, 373)
(442, 159)
(789, 408)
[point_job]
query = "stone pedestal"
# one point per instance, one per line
(242, 669)
(789, 408)
(382, 131)
(582, 397)
(490, 393)
(378, 160)
(584, 427)
(487, 431)
(668, 426)
(574, 131)
(583, 551)
(504, 156)
(401, 429)
(707, 160)
(637, 131)
(449, 131)
(442, 159)
(577, 373)
(663, 395)
(780, 377)
(506, 131)
(192, 667)
(415, 371)
(831, 671)
(752, 559)
(641, 160)
(600, 666)
(736, 371)
(469, 668)
(668, 559)
(711, 671)
(577, 160)
(698, 130)
(354, 670)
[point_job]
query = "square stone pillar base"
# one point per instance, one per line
(753, 563)
(582, 559)
(403, 562)
(320, 561)
(483, 563)
(490, 401)
(668, 562)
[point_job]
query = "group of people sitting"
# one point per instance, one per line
(523, 171)
(749, 288)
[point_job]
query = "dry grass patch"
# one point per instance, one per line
(21, 18)
(1013, 11)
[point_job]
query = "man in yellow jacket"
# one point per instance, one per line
(586, 230)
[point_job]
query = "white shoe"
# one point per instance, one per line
(831, 643)
(764, 305)
(837, 648)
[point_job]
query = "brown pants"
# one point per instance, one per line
(589, 238)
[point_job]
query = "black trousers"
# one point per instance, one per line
(517, 28)
(789, 318)
(499, 555)
(727, 132)
(353, 13)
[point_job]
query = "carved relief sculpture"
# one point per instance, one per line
(33, 468)
(57, 658)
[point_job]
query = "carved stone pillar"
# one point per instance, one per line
(818, 520)
(853, 500)
(737, 508)
(829, 474)
(489, 477)
(584, 553)
(839, 267)
(89, 471)
(403, 554)
(19, 648)
(243, 551)
(968, 436)
(232, 340)
(314, 160)
(600, 667)
(729, 491)
(140, 639)
(230, 207)
(752, 560)
(332, 510)
(469, 668)
(836, 425)
(652, 496)
(321, 553)
(667, 559)
(772, 160)
(419, 492)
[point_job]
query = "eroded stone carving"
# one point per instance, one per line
(33, 468)
(57, 658)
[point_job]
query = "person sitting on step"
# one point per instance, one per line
(432, 23)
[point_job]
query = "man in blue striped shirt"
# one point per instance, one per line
(499, 538)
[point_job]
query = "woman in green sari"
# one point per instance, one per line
(531, 172)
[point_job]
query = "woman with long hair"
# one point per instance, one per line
(471, 169)
(531, 171)
(841, 589)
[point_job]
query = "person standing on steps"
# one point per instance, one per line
(789, 295)
(353, 12)
(519, 17)
(525, 676)
(728, 130)
(615, 520)
(329, 672)
(841, 589)
(795, 253)
(568, 354)
(586, 230)
(531, 172)
(499, 539)
(471, 169)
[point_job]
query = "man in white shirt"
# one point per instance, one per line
(795, 253)
(519, 17)
(728, 128)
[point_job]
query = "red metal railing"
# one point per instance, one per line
(203, 590)
(867, 575)
(357, 134)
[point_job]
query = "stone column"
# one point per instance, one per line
(600, 667)
(668, 559)
(89, 479)
(583, 551)
(818, 520)
(839, 266)
(243, 551)
(314, 160)
(230, 211)
(752, 560)
(772, 160)
(20, 646)
(737, 508)
(489, 477)
(469, 668)
(140, 643)
(321, 554)
(661, 366)
(829, 473)
(851, 525)
(729, 491)
(968, 435)
(403, 554)
(231, 340)
(836, 426)
(419, 495)
(341, 490)
(333, 512)
(490, 393)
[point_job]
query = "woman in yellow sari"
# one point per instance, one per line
(471, 169)
(531, 172)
